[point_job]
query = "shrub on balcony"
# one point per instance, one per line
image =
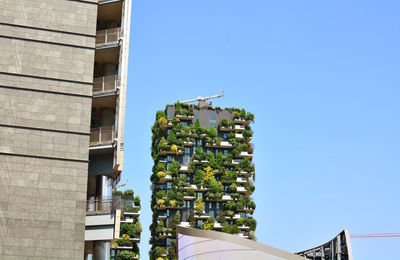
(215, 186)
(190, 192)
(198, 178)
(226, 228)
(212, 132)
(137, 201)
(230, 205)
(240, 222)
(251, 222)
(174, 148)
(160, 202)
(162, 123)
(163, 145)
(172, 203)
(124, 241)
(209, 223)
(160, 251)
(223, 122)
(128, 195)
(174, 168)
(161, 174)
(126, 255)
(172, 138)
(252, 235)
(233, 187)
(199, 206)
(235, 229)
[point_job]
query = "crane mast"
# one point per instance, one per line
(203, 100)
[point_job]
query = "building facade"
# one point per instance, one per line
(203, 173)
(63, 67)
(205, 244)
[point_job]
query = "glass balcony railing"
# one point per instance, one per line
(102, 135)
(101, 205)
(107, 37)
(105, 85)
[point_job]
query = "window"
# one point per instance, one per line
(200, 142)
(199, 223)
(217, 205)
(169, 185)
(183, 123)
(196, 114)
(212, 120)
(187, 150)
(211, 212)
(167, 212)
(170, 158)
(169, 113)
(225, 152)
(199, 195)
(210, 205)
(168, 242)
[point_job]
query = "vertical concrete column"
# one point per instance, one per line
(103, 250)
(106, 186)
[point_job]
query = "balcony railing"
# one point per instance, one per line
(107, 37)
(105, 85)
(101, 205)
(102, 135)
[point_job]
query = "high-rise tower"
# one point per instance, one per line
(63, 72)
(203, 173)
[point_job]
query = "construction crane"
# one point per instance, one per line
(203, 100)
(376, 235)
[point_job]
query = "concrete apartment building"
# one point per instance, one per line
(63, 71)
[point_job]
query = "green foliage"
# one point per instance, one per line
(160, 251)
(223, 122)
(235, 229)
(251, 222)
(230, 205)
(172, 138)
(233, 187)
(160, 194)
(209, 223)
(199, 206)
(174, 168)
(177, 218)
(245, 164)
(226, 228)
(198, 178)
(160, 167)
(126, 255)
(163, 145)
(216, 186)
(240, 221)
(131, 229)
(159, 114)
(212, 132)
(162, 123)
(252, 235)
(128, 195)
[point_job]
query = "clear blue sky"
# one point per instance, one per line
(323, 80)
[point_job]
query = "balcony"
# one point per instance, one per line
(108, 38)
(104, 86)
(101, 205)
(239, 127)
(101, 136)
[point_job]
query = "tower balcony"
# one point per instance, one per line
(102, 136)
(108, 38)
(105, 86)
